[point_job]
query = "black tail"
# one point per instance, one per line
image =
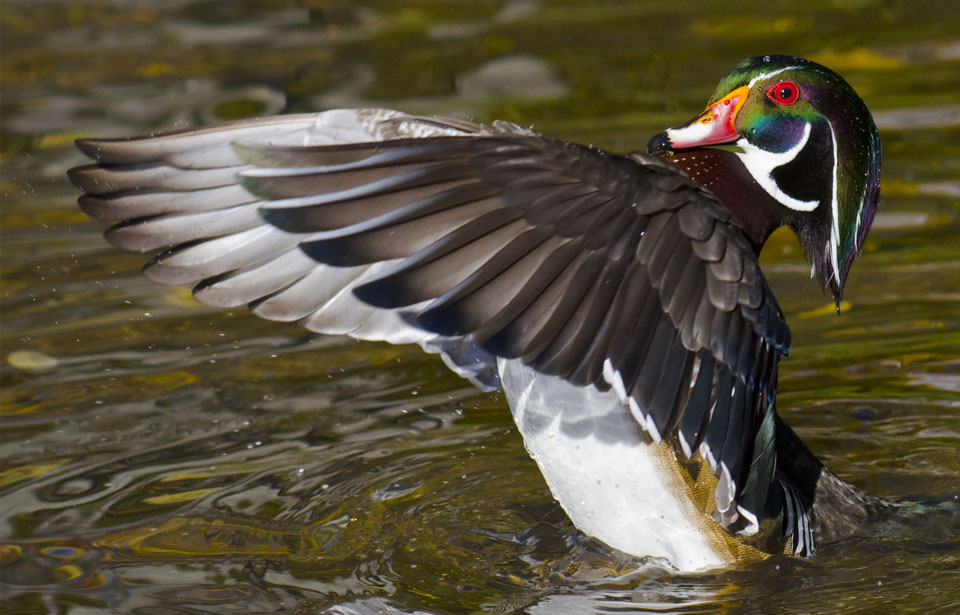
(825, 509)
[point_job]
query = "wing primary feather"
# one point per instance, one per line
(719, 330)
(588, 221)
(437, 262)
(528, 333)
(669, 393)
(624, 246)
(305, 295)
(739, 430)
(99, 180)
(538, 276)
(719, 419)
(695, 414)
(663, 250)
(394, 235)
(170, 230)
(212, 258)
(317, 214)
(355, 156)
(684, 303)
(557, 202)
(672, 274)
(564, 352)
(652, 364)
(640, 322)
(589, 368)
(146, 203)
(242, 286)
(734, 340)
(495, 291)
(182, 143)
(651, 238)
(576, 292)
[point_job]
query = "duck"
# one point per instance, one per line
(616, 299)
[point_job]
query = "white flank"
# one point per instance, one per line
(761, 163)
(612, 484)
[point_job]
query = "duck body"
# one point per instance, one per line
(617, 299)
(613, 481)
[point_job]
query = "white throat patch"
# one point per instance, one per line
(761, 163)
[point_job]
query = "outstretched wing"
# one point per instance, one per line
(179, 193)
(606, 270)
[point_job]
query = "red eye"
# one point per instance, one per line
(784, 93)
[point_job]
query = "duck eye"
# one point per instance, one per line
(784, 93)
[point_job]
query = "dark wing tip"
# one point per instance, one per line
(106, 150)
(284, 218)
(381, 291)
(92, 179)
(90, 148)
(91, 205)
(76, 174)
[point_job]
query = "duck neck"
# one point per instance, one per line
(722, 173)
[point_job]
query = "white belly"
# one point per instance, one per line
(598, 465)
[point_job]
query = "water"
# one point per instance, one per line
(160, 456)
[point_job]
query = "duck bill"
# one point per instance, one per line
(715, 126)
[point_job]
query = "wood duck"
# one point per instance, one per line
(616, 299)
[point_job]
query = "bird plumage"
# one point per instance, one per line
(508, 252)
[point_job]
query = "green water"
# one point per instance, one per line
(159, 456)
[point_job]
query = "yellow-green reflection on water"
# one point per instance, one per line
(161, 456)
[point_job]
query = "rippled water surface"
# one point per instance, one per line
(159, 456)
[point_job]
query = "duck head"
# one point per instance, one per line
(805, 154)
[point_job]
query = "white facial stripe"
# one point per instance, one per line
(835, 208)
(770, 74)
(863, 202)
(856, 231)
(761, 163)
